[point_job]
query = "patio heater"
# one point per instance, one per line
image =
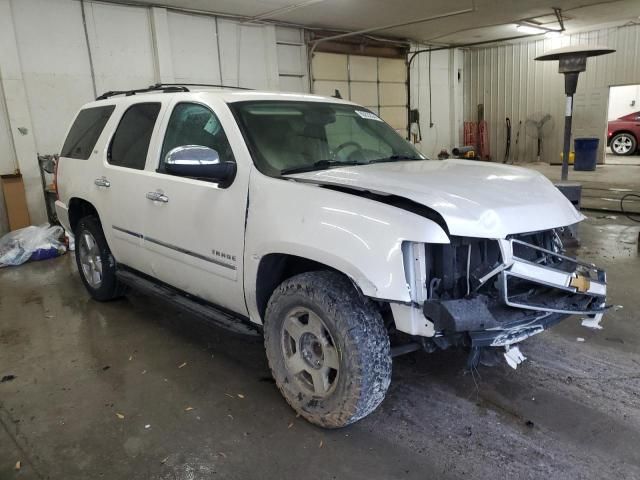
(571, 61)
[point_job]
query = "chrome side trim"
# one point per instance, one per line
(129, 232)
(176, 248)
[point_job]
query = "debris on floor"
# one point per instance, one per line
(18, 465)
(579, 339)
(120, 416)
(593, 323)
(514, 356)
(31, 243)
(182, 365)
(7, 378)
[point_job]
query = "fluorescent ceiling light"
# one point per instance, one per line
(553, 34)
(529, 29)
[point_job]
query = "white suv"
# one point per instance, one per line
(311, 219)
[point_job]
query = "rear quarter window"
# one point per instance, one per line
(85, 131)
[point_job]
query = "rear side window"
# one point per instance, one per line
(85, 131)
(131, 141)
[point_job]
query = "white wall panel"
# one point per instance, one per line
(55, 66)
(510, 83)
(249, 55)
(121, 44)
(194, 48)
(46, 71)
(291, 60)
(8, 163)
(293, 84)
(438, 131)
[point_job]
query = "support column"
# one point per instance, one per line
(162, 45)
(20, 125)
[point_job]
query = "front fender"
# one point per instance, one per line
(359, 237)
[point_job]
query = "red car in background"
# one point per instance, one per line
(623, 134)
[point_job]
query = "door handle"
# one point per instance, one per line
(157, 197)
(102, 182)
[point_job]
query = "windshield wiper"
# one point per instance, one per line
(394, 158)
(319, 165)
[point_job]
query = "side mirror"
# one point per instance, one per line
(199, 162)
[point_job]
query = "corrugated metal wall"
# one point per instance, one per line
(509, 83)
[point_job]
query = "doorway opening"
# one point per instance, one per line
(623, 127)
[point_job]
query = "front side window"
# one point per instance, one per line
(195, 124)
(131, 141)
(85, 131)
(290, 137)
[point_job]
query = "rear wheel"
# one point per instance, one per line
(624, 144)
(95, 262)
(327, 348)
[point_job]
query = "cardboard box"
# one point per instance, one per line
(15, 201)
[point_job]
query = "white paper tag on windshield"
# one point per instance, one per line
(368, 115)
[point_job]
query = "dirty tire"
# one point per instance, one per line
(356, 329)
(110, 287)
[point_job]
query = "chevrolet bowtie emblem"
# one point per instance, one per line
(580, 283)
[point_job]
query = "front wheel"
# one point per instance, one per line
(624, 144)
(327, 348)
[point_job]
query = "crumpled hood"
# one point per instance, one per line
(476, 199)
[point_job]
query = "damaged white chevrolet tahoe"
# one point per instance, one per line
(311, 219)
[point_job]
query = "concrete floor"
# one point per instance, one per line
(611, 159)
(572, 410)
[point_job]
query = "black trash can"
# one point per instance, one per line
(586, 153)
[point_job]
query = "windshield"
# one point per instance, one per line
(291, 137)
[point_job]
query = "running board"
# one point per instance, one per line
(204, 311)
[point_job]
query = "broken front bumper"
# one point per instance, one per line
(531, 297)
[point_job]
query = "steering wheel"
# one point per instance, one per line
(344, 145)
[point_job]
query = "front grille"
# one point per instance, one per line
(447, 264)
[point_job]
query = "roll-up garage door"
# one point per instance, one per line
(378, 83)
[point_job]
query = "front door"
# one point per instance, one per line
(194, 234)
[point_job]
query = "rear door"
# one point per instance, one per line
(194, 237)
(121, 186)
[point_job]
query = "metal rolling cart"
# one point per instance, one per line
(47, 164)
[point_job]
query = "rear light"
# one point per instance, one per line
(55, 176)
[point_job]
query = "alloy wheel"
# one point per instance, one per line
(310, 354)
(622, 144)
(90, 259)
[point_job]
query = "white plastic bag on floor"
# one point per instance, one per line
(17, 247)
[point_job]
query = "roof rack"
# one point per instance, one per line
(151, 88)
(202, 85)
(165, 88)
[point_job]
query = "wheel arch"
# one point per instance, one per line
(78, 209)
(275, 268)
(624, 130)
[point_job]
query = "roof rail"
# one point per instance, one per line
(202, 85)
(152, 88)
(166, 88)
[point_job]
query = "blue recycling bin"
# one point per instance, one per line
(586, 154)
